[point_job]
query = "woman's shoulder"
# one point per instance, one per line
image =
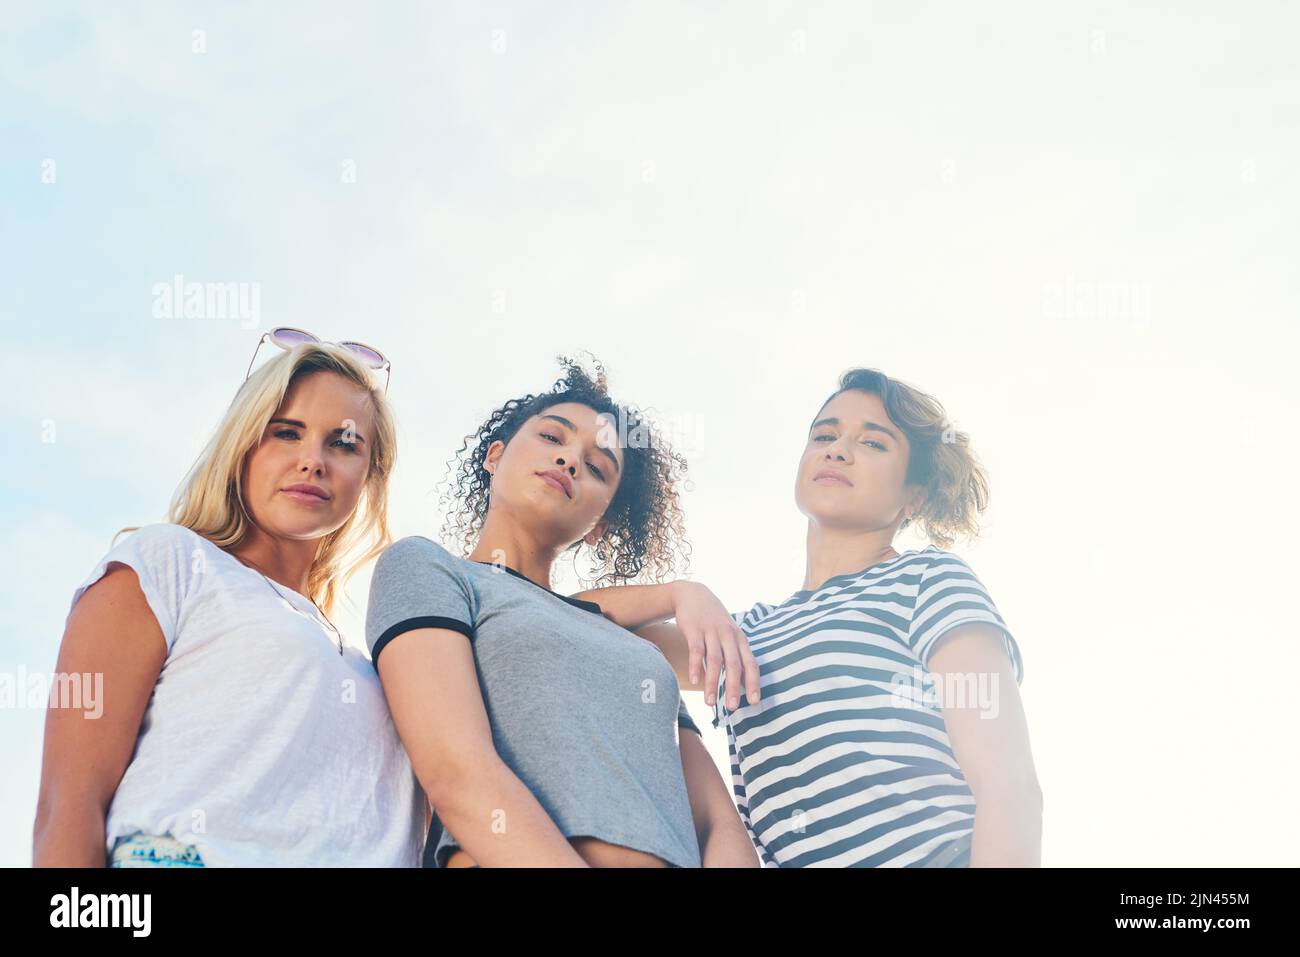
(162, 537)
(936, 561)
(415, 545)
(753, 614)
(171, 531)
(168, 560)
(417, 550)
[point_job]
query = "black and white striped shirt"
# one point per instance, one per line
(845, 761)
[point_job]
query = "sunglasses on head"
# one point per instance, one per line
(286, 337)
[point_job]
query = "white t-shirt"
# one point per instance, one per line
(261, 745)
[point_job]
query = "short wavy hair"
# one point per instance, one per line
(645, 538)
(941, 460)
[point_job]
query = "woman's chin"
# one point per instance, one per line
(836, 515)
(299, 527)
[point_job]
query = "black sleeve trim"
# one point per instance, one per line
(684, 721)
(411, 624)
(584, 605)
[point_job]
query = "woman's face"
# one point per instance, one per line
(559, 472)
(318, 439)
(853, 468)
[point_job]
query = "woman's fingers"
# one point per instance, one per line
(712, 667)
(729, 649)
(735, 674)
(749, 665)
(695, 646)
(715, 649)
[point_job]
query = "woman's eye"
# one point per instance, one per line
(876, 444)
(599, 474)
(350, 446)
(286, 434)
(547, 435)
(824, 435)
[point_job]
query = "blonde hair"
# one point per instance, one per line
(210, 500)
(940, 458)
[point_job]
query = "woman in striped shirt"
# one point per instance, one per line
(890, 730)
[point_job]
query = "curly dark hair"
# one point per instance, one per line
(645, 537)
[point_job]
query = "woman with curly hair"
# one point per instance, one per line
(891, 731)
(543, 733)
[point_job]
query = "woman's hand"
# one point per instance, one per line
(704, 638)
(714, 641)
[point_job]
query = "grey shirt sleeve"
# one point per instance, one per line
(684, 718)
(416, 584)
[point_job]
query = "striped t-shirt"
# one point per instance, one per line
(845, 761)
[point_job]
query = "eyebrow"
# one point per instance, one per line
(302, 425)
(870, 426)
(569, 425)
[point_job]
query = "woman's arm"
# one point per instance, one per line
(672, 644)
(718, 828)
(990, 739)
(703, 637)
(113, 634)
(632, 606)
(433, 693)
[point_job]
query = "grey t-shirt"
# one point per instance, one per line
(584, 712)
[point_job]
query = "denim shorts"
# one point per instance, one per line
(153, 850)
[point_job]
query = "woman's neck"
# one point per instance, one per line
(837, 551)
(506, 542)
(286, 561)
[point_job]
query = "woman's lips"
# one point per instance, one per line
(553, 481)
(307, 498)
(831, 478)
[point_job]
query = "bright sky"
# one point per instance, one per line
(1075, 225)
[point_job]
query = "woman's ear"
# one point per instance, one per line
(493, 456)
(915, 503)
(596, 534)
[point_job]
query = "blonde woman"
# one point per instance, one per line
(238, 727)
